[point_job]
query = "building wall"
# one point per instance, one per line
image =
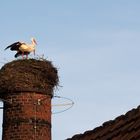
(27, 115)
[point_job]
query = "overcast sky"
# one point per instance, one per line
(95, 44)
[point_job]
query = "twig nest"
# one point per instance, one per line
(28, 75)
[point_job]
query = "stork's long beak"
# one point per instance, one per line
(34, 52)
(35, 42)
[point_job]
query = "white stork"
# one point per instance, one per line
(23, 48)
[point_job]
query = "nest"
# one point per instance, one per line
(29, 75)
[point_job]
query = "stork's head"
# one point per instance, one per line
(34, 41)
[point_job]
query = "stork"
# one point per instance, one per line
(22, 48)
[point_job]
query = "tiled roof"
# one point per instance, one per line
(124, 127)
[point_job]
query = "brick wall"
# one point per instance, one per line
(27, 116)
(26, 86)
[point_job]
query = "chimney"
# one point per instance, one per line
(26, 88)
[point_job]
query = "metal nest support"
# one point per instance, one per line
(63, 103)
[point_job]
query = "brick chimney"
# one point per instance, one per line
(26, 88)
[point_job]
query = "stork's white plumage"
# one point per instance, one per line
(23, 48)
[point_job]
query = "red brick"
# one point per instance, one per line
(28, 117)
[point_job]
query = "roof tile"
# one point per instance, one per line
(124, 127)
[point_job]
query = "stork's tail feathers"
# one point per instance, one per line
(17, 54)
(21, 53)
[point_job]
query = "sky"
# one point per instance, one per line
(95, 44)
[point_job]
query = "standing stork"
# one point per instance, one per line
(23, 48)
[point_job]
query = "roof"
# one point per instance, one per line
(124, 127)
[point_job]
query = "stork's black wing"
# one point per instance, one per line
(14, 47)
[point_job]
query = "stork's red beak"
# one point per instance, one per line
(35, 42)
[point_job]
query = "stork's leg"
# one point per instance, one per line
(22, 55)
(26, 56)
